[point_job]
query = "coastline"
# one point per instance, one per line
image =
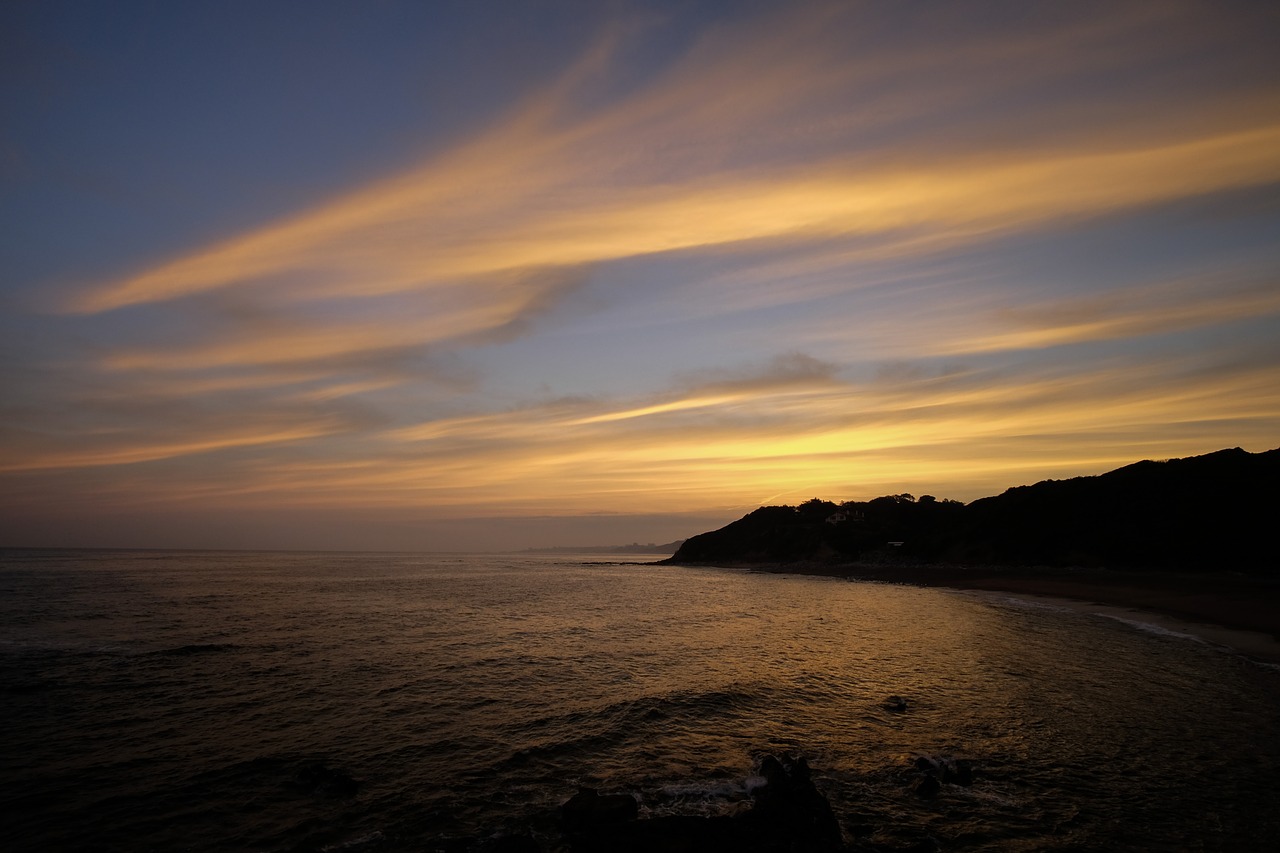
(1259, 646)
(1231, 610)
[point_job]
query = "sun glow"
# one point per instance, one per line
(803, 254)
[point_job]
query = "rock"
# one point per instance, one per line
(926, 787)
(925, 764)
(933, 771)
(671, 834)
(588, 808)
(774, 775)
(513, 844)
(789, 809)
(953, 771)
(788, 813)
(896, 704)
(958, 771)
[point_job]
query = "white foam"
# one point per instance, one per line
(1032, 604)
(979, 794)
(1152, 628)
(1020, 601)
(721, 791)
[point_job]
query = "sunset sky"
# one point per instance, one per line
(464, 275)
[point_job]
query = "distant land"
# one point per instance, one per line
(633, 548)
(1191, 538)
(1216, 512)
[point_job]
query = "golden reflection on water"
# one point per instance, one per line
(470, 691)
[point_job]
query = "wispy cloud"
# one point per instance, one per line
(974, 197)
(1122, 314)
(554, 185)
(808, 161)
(477, 240)
(720, 442)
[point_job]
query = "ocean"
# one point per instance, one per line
(218, 701)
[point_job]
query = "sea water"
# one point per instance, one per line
(214, 701)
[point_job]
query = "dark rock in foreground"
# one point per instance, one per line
(791, 806)
(788, 814)
(929, 773)
(953, 771)
(588, 809)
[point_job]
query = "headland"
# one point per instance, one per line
(1188, 540)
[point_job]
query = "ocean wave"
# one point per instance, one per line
(244, 724)
(196, 649)
(1152, 628)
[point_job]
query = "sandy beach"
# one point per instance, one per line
(1235, 611)
(1258, 645)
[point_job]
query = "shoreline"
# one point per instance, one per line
(1234, 611)
(1258, 646)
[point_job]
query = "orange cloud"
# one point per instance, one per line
(1132, 313)
(819, 159)
(117, 452)
(703, 448)
(608, 224)
(704, 154)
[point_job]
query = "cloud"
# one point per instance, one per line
(553, 185)
(727, 440)
(974, 197)
(699, 446)
(1122, 314)
(65, 418)
(131, 452)
(953, 321)
(809, 161)
(765, 138)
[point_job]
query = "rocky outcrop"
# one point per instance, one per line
(589, 809)
(790, 809)
(896, 704)
(787, 814)
(929, 773)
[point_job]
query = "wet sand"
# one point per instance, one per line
(1228, 609)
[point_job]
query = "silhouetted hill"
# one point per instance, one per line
(1206, 513)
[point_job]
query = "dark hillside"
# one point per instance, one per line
(1203, 512)
(1207, 513)
(824, 531)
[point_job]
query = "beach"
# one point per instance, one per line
(1227, 609)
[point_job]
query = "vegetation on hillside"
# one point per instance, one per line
(1203, 513)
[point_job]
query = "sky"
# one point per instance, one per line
(478, 276)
